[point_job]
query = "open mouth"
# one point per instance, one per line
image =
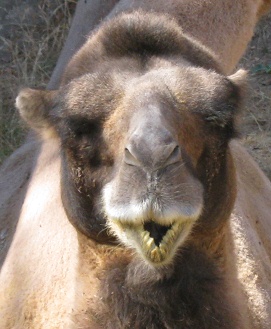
(155, 242)
(159, 242)
(156, 231)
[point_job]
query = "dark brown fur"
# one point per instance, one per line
(194, 295)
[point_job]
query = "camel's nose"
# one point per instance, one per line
(151, 145)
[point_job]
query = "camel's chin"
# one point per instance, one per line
(157, 249)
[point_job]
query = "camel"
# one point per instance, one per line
(132, 203)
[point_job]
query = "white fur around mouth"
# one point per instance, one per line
(161, 254)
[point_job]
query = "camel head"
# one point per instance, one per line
(143, 140)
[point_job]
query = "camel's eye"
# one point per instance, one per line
(82, 128)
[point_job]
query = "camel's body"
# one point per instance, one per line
(50, 275)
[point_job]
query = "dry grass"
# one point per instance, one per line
(257, 122)
(34, 49)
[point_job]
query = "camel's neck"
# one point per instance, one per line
(135, 295)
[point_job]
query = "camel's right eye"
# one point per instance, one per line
(82, 127)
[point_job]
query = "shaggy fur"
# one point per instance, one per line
(58, 275)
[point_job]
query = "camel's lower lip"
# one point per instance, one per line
(157, 250)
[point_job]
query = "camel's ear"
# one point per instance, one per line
(239, 79)
(34, 106)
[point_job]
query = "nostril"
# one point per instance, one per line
(175, 152)
(159, 157)
(129, 158)
(174, 156)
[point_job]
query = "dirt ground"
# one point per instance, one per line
(32, 34)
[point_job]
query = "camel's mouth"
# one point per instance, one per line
(156, 231)
(159, 242)
(155, 242)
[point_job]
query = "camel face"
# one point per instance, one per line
(140, 149)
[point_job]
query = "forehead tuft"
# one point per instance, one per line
(91, 95)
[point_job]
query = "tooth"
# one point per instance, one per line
(150, 243)
(165, 239)
(155, 255)
(171, 233)
(162, 243)
(143, 234)
(168, 238)
(163, 249)
(175, 227)
(146, 237)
